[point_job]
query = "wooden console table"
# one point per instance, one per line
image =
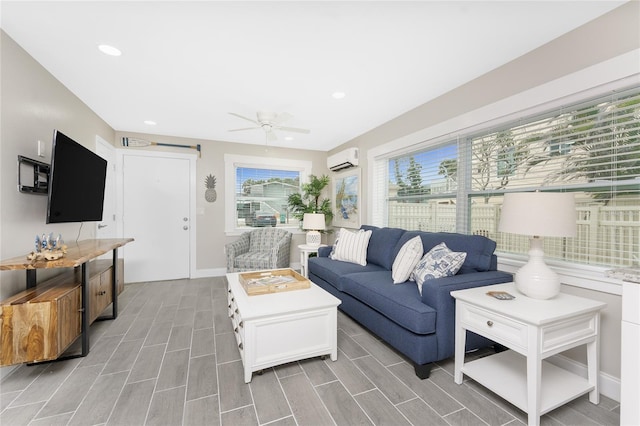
(78, 256)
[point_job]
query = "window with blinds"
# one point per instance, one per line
(591, 149)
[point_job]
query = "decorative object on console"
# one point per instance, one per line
(313, 223)
(48, 248)
(538, 214)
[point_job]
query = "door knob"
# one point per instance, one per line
(186, 219)
(102, 226)
(185, 227)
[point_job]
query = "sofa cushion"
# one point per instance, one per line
(437, 263)
(333, 271)
(400, 303)
(382, 244)
(479, 249)
(352, 246)
(406, 260)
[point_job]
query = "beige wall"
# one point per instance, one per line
(609, 36)
(210, 216)
(33, 104)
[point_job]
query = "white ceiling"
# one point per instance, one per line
(186, 65)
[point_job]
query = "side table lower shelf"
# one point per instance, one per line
(558, 386)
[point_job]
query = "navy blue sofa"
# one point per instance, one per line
(420, 327)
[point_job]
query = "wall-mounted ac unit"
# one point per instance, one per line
(343, 159)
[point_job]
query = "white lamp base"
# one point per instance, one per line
(313, 238)
(536, 279)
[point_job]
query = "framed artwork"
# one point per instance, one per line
(346, 199)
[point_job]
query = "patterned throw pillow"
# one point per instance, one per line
(406, 260)
(352, 246)
(437, 263)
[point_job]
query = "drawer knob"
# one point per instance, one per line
(231, 316)
(241, 324)
(237, 311)
(235, 329)
(240, 346)
(490, 323)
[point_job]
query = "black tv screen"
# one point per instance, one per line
(76, 182)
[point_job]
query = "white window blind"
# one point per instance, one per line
(422, 188)
(591, 150)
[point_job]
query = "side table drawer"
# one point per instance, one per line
(503, 330)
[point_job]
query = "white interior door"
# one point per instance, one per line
(156, 213)
(107, 228)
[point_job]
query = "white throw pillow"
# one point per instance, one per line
(352, 246)
(406, 260)
(437, 263)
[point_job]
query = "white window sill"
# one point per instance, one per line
(573, 274)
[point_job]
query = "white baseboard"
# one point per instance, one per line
(609, 385)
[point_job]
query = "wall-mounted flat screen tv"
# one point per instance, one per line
(76, 182)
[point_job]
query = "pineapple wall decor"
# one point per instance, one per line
(210, 194)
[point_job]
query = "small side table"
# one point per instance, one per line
(305, 251)
(533, 330)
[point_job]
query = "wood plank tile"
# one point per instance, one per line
(180, 337)
(379, 409)
(202, 342)
(235, 392)
(245, 416)
(45, 385)
(350, 375)
(158, 333)
(203, 377)
(173, 372)
(124, 356)
(166, 407)
(269, 400)
(440, 401)
(343, 408)
(71, 392)
(226, 347)
(349, 346)
(380, 350)
(203, 411)
(203, 319)
(318, 371)
(21, 415)
(100, 400)
(131, 407)
(418, 412)
(148, 363)
(389, 384)
(307, 407)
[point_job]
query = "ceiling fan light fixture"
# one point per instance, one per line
(338, 95)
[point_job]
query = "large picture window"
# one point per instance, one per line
(258, 189)
(591, 149)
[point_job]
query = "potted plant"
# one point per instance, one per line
(309, 201)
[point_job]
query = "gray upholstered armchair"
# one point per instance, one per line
(265, 248)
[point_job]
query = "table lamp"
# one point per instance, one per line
(538, 214)
(313, 222)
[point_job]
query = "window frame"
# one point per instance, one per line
(608, 77)
(233, 161)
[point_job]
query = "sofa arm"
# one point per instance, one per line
(324, 251)
(236, 248)
(437, 294)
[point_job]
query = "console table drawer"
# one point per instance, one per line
(493, 326)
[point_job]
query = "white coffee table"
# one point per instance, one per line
(533, 330)
(273, 329)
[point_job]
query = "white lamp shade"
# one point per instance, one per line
(313, 221)
(544, 214)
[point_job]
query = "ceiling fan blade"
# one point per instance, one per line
(244, 128)
(282, 117)
(293, 129)
(244, 118)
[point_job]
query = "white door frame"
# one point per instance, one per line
(120, 155)
(109, 147)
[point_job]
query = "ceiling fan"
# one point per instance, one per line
(269, 122)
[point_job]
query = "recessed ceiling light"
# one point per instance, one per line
(150, 122)
(109, 50)
(338, 95)
(288, 138)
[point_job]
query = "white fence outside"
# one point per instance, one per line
(606, 235)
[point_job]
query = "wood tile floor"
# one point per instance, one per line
(170, 359)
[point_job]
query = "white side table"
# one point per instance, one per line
(305, 251)
(533, 330)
